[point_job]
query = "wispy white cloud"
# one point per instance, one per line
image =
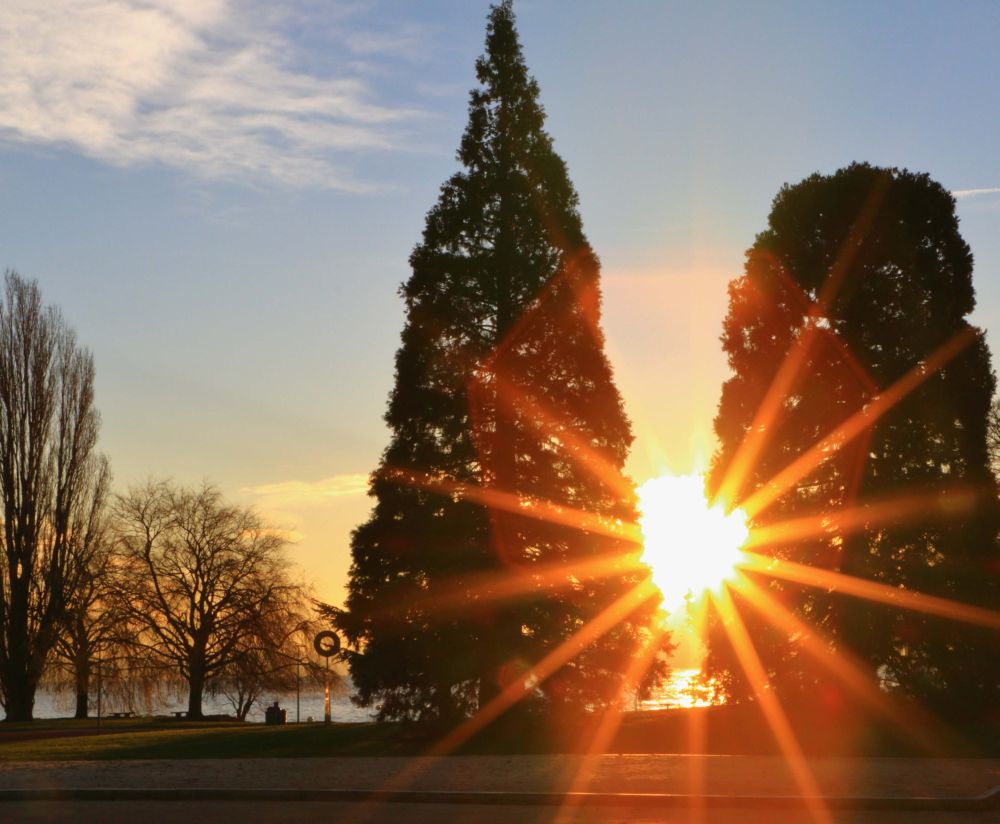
(964, 193)
(305, 493)
(217, 88)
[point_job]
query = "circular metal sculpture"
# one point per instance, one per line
(326, 643)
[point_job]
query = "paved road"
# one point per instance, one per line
(221, 812)
(721, 775)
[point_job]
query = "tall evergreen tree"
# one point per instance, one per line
(890, 239)
(502, 385)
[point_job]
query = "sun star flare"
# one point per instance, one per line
(689, 545)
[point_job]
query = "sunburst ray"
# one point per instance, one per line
(769, 409)
(850, 671)
(872, 590)
(771, 708)
(520, 688)
(517, 690)
(480, 588)
(914, 507)
(610, 720)
(500, 500)
(857, 423)
(569, 443)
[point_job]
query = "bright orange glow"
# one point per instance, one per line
(690, 546)
(697, 551)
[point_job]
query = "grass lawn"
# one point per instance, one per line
(736, 730)
(145, 738)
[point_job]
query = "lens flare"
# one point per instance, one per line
(690, 546)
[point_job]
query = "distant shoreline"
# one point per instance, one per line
(53, 705)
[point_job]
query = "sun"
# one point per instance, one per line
(690, 546)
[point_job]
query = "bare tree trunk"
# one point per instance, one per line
(504, 632)
(445, 703)
(194, 699)
(82, 676)
(19, 695)
(18, 686)
(196, 684)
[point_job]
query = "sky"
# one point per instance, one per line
(222, 197)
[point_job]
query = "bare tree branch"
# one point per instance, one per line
(207, 583)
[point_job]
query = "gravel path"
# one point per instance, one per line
(734, 775)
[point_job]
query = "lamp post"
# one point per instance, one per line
(98, 694)
(327, 717)
(298, 683)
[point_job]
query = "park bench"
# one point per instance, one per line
(122, 715)
(180, 713)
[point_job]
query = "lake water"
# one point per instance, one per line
(677, 692)
(61, 705)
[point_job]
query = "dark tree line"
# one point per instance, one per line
(159, 584)
(184, 591)
(904, 288)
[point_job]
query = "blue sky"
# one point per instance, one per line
(222, 197)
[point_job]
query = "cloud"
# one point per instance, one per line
(305, 493)
(220, 89)
(289, 534)
(964, 193)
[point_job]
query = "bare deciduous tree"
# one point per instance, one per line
(201, 578)
(91, 624)
(272, 660)
(48, 472)
(993, 436)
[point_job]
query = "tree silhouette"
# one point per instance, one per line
(993, 437)
(273, 659)
(864, 274)
(200, 579)
(503, 393)
(92, 626)
(52, 484)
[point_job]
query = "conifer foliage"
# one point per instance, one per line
(868, 265)
(504, 405)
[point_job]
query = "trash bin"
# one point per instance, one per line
(275, 715)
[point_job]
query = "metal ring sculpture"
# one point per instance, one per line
(326, 643)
